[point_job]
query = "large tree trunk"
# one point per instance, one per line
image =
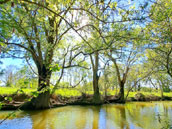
(42, 100)
(96, 96)
(95, 64)
(121, 93)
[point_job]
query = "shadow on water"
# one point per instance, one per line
(136, 115)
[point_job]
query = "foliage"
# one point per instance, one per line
(88, 46)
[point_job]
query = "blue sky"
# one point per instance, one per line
(10, 61)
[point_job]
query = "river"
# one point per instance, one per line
(132, 115)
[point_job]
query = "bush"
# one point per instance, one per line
(139, 97)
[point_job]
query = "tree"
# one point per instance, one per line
(95, 66)
(124, 53)
(100, 32)
(160, 36)
(36, 28)
(139, 73)
(160, 56)
(122, 74)
(8, 75)
(25, 78)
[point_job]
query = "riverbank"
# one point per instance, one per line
(15, 101)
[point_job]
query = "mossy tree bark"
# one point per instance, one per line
(95, 65)
(42, 100)
(121, 92)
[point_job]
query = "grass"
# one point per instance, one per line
(169, 94)
(68, 92)
(62, 92)
(73, 92)
(12, 90)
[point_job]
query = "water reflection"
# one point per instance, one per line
(138, 115)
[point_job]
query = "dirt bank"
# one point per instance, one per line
(13, 102)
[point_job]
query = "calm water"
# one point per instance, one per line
(136, 115)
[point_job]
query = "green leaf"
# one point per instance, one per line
(2, 44)
(1, 104)
(55, 68)
(8, 98)
(26, 82)
(115, 4)
(35, 93)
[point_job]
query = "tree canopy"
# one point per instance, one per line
(85, 39)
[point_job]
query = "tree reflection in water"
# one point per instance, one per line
(140, 115)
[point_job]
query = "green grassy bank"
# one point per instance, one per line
(74, 92)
